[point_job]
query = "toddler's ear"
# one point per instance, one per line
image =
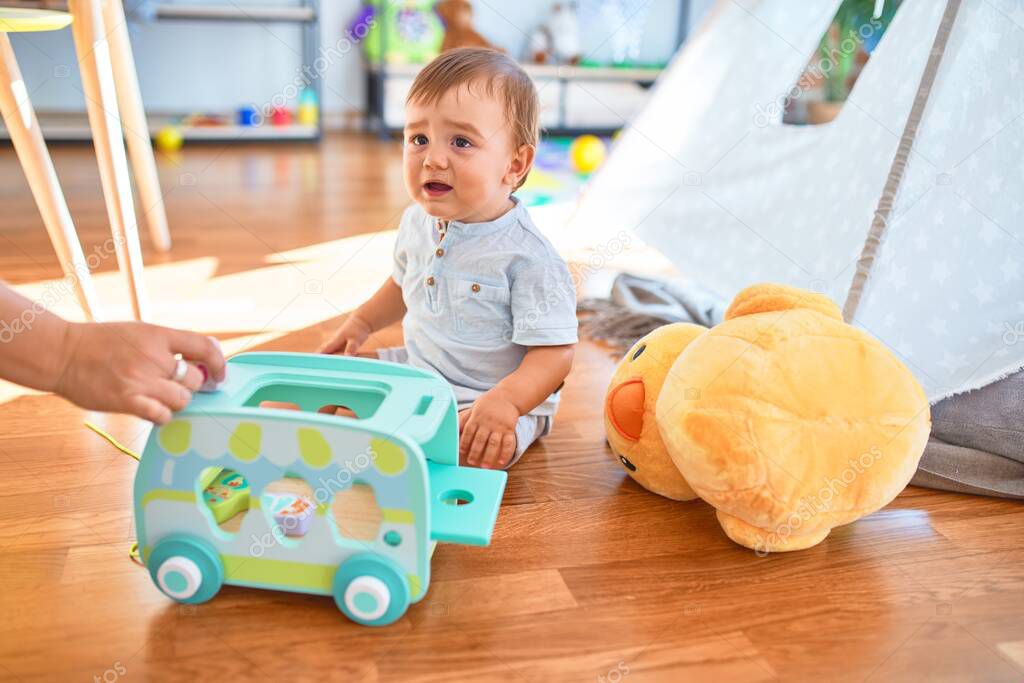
(522, 162)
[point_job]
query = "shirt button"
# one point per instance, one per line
(430, 281)
(440, 251)
(475, 287)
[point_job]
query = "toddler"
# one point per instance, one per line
(485, 300)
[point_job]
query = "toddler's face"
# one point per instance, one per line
(459, 158)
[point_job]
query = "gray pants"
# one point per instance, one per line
(977, 442)
(529, 428)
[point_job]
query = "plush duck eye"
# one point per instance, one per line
(640, 350)
(627, 464)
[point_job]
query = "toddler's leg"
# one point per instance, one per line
(529, 428)
(393, 354)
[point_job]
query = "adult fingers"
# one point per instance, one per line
(170, 393)
(149, 409)
(201, 349)
(193, 378)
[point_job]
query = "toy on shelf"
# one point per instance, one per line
(248, 116)
(787, 420)
(169, 139)
(309, 110)
(404, 449)
(558, 40)
(457, 16)
(565, 33)
(587, 153)
(407, 32)
(281, 116)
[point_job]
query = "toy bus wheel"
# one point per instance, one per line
(371, 590)
(186, 569)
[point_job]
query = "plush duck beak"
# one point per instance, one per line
(625, 408)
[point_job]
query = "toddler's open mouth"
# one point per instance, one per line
(436, 189)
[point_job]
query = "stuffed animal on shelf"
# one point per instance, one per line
(457, 16)
(629, 410)
(557, 41)
(565, 30)
(787, 420)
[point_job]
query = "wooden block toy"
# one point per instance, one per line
(371, 551)
(226, 495)
(293, 514)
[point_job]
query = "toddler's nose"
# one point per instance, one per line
(435, 159)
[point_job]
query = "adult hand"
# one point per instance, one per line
(129, 368)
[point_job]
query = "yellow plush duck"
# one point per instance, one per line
(629, 410)
(787, 420)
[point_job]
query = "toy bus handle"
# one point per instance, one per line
(422, 409)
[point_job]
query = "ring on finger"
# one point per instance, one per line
(180, 369)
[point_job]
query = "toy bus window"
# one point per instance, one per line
(361, 402)
(356, 514)
(330, 409)
(289, 506)
(225, 497)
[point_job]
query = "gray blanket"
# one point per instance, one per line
(977, 440)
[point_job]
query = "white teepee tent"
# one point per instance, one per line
(906, 207)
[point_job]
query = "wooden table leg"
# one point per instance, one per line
(104, 120)
(23, 128)
(133, 117)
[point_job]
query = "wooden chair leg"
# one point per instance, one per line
(133, 118)
(23, 128)
(104, 120)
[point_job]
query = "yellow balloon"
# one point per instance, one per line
(169, 139)
(586, 153)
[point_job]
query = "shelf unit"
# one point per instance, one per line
(381, 75)
(75, 127)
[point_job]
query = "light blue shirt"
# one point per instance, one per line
(479, 297)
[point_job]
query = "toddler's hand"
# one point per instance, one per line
(352, 334)
(488, 431)
(128, 368)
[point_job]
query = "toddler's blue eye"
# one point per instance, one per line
(463, 142)
(418, 139)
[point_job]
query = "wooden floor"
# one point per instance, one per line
(588, 576)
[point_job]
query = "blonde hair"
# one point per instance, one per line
(496, 71)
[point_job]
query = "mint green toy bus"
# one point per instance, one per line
(401, 443)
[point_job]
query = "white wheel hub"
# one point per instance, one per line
(179, 577)
(367, 597)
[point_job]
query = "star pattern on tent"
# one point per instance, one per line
(951, 261)
(982, 292)
(1011, 269)
(940, 272)
(938, 327)
(953, 362)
